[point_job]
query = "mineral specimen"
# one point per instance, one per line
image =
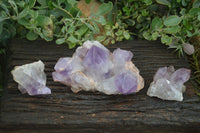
(168, 84)
(94, 68)
(31, 78)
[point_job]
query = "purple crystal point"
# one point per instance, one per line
(63, 64)
(180, 76)
(97, 62)
(63, 76)
(94, 68)
(126, 83)
(31, 78)
(122, 55)
(168, 83)
(95, 57)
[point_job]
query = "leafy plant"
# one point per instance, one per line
(174, 22)
(195, 63)
(176, 30)
(60, 20)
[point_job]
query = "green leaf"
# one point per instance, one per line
(140, 19)
(23, 22)
(104, 8)
(80, 32)
(87, 1)
(72, 39)
(3, 18)
(189, 34)
(172, 20)
(118, 33)
(100, 38)
(60, 41)
(147, 2)
(71, 45)
(20, 3)
(155, 35)
(147, 36)
(22, 14)
(5, 34)
(96, 27)
(173, 29)
(14, 6)
(156, 24)
(126, 35)
(108, 27)
(43, 20)
(112, 41)
(184, 3)
(107, 41)
(145, 12)
(3, 6)
(194, 11)
(90, 27)
(135, 15)
(101, 20)
(165, 39)
(198, 17)
(164, 2)
(109, 33)
(196, 3)
(42, 2)
(72, 2)
(182, 12)
(31, 35)
(32, 3)
(186, 24)
(71, 29)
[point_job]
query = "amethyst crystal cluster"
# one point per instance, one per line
(31, 78)
(94, 68)
(168, 83)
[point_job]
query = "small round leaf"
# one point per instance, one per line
(31, 35)
(172, 20)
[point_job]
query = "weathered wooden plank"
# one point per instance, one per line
(95, 112)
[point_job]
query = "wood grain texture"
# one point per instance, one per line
(64, 111)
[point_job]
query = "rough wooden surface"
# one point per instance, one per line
(64, 111)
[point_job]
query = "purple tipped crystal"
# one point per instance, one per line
(126, 83)
(97, 62)
(63, 64)
(122, 55)
(95, 57)
(62, 76)
(168, 83)
(93, 67)
(180, 76)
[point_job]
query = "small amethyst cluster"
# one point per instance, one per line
(168, 84)
(31, 78)
(94, 68)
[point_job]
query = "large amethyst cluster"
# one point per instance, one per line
(94, 68)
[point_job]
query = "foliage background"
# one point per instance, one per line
(175, 23)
